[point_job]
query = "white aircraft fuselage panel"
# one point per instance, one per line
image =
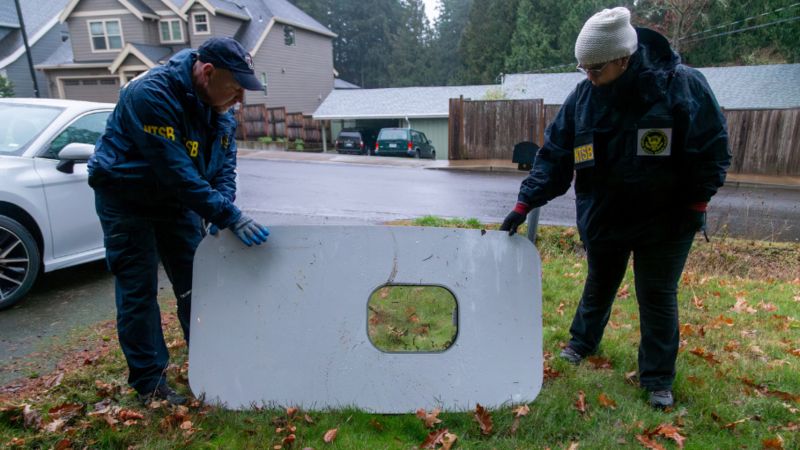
(285, 323)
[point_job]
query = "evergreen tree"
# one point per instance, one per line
(410, 62)
(446, 64)
(745, 32)
(535, 44)
(486, 40)
(6, 87)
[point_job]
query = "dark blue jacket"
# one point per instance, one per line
(163, 146)
(642, 149)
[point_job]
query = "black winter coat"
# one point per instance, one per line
(642, 149)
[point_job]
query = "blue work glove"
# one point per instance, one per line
(250, 231)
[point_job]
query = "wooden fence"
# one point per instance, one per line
(257, 121)
(489, 129)
(762, 142)
(765, 142)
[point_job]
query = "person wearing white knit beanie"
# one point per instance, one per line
(646, 144)
(604, 44)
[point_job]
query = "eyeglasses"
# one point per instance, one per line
(594, 70)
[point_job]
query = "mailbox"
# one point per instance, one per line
(524, 153)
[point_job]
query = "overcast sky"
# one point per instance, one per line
(430, 9)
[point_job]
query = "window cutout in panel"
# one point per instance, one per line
(412, 319)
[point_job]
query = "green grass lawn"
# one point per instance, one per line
(738, 382)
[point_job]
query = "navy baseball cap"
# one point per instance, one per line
(226, 53)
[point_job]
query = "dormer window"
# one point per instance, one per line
(170, 31)
(106, 35)
(201, 25)
(288, 35)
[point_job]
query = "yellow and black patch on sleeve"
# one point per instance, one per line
(584, 156)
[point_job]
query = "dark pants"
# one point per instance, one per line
(135, 237)
(657, 269)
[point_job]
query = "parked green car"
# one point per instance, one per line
(404, 142)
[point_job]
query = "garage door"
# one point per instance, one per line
(92, 89)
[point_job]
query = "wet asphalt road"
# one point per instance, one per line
(283, 192)
(296, 193)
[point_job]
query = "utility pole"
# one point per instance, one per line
(27, 49)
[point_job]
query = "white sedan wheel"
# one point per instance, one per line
(19, 261)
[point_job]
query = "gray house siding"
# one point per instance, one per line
(104, 93)
(19, 73)
(436, 130)
(299, 76)
(133, 30)
(220, 26)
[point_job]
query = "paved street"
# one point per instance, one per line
(301, 192)
(307, 192)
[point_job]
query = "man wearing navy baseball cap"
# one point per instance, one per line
(165, 164)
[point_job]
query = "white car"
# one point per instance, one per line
(47, 214)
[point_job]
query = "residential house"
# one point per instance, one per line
(113, 41)
(45, 34)
(427, 108)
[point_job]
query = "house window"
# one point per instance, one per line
(264, 82)
(171, 30)
(201, 23)
(288, 35)
(106, 35)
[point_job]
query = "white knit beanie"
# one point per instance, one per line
(606, 36)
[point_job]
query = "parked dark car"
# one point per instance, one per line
(356, 140)
(404, 142)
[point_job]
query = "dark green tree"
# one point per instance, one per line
(446, 64)
(410, 57)
(487, 40)
(745, 32)
(362, 49)
(535, 43)
(6, 87)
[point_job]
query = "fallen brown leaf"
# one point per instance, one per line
(64, 444)
(648, 442)
(731, 346)
(671, 432)
(742, 306)
(732, 425)
(580, 404)
(54, 426)
(599, 362)
(448, 440)
(605, 401)
(129, 414)
(434, 438)
(429, 418)
(706, 355)
(623, 292)
(484, 419)
(519, 411)
(330, 435)
(376, 425)
(776, 443)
